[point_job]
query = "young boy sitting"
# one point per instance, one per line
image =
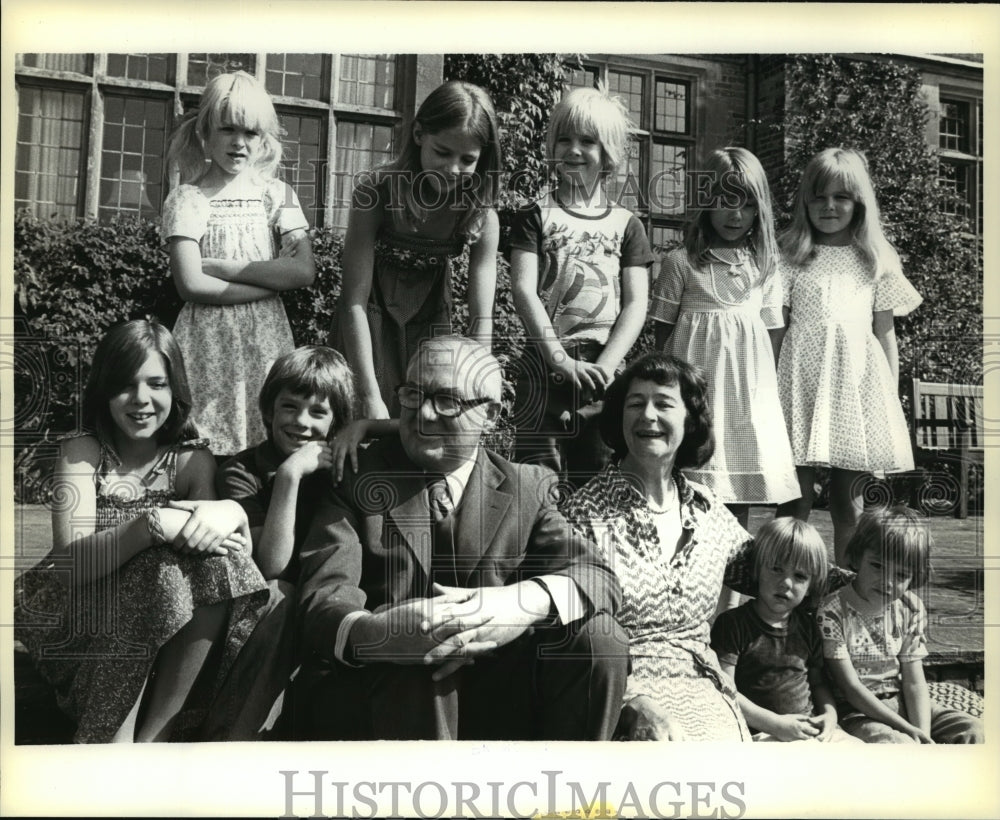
(770, 645)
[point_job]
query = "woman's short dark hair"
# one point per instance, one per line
(665, 370)
(119, 355)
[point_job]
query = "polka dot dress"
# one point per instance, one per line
(840, 402)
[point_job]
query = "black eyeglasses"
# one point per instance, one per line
(445, 405)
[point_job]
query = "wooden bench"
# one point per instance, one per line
(946, 421)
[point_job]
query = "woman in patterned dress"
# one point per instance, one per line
(148, 574)
(673, 546)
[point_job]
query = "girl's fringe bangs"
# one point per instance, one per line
(837, 175)
(247, 109)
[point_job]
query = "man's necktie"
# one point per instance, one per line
(439, 500)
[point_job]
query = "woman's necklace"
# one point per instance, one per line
(670, 505)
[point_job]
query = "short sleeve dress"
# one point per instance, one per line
(228, 349)
(840, 402)
(96, 643)
(410, 297)
(722, 314)
(668, 601)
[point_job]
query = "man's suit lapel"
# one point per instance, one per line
(408, 511)
(483, 507)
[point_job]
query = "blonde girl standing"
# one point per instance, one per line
(717, 305)
(580, 282)
(237, 238)
(408, 222)
(838, 373)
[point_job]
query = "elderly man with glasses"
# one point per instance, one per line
(442, 593)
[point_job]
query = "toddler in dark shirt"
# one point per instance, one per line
(771, 646)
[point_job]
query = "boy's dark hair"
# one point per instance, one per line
(311, 370)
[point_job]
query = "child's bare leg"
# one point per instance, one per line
(126, 732)
(800, 507)
(847, 488)
(176, 669)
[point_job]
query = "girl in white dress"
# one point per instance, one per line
(838, 373)
(237, 237)
(717, 305)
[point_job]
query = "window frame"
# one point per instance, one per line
(181, 95)
(969, 163)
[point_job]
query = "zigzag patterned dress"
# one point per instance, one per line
(669, 598)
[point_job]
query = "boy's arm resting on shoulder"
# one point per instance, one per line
(483, 279)
(194, 285)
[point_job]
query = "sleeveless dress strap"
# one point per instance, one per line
(168, 463)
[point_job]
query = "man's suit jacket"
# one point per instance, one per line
(370, 543)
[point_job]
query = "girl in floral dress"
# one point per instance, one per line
(408, 221)
(717, 305)
(838, 374)
(147, 572)
(237, 237)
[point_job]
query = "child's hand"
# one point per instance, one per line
(825, 723)
(290, 244)
(794, 727)
(641, 719)
(310, 457)
(584, 376)
(918, 735)
(224, 269)
(345, 445)
(212, 527)
(172, 522)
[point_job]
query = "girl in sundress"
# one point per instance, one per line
(838, 373)
(237, 238)
(717, 305)
(147, 573)
(408, 222)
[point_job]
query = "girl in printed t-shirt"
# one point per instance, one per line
(580, 281)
